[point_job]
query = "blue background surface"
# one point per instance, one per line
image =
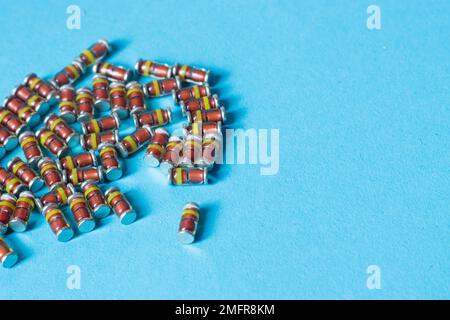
(364, 152)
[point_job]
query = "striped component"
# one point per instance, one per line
(182, 71)
(27, 200)
(27, 140)
(76, 201)
(113, 195)
(88, 54)
(62, 194)
(53, 213)
(132, 144)
(147, 67)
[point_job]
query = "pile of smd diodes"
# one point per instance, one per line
(80, 180)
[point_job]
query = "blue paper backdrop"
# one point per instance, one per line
(364, 152)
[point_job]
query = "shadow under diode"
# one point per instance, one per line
(22, 250)
(136, 197)
(117, 46)
(100, 223)
(218, 173)
(132, 164)
(234, 118)
(37, 219)
(207, 220)
(71, 221)
(217, 76)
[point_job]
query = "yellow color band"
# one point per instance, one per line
(32, 100)
(33, 83)
(94, 145)
(95, 125)
(67, 103)
(104, 66)
(155, 146)
(159, 116)
(113, 195)
(55, 123)
(179, 176)
(47, 166)
(90, 189)
(198, 115)
(196, 128)
(76, 201)
(100, 80)
(191, 212)
(206, 103)
(73, 70)
(27, 200)
(130, 140)
(74, 173)
(117, 89)
(26, 140)
(51, 213)
(147, 66)
(172, 144)
(70, 163)
(22, 111)
(133, 90)
(196, 92)
(90, 56)
(182, 72)
(45, 136)
(3, 114)
(11, 184)
(17, 166)
(106, 149)
(7, 204)
(156, 87)
(84, 95)
(62, 195)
